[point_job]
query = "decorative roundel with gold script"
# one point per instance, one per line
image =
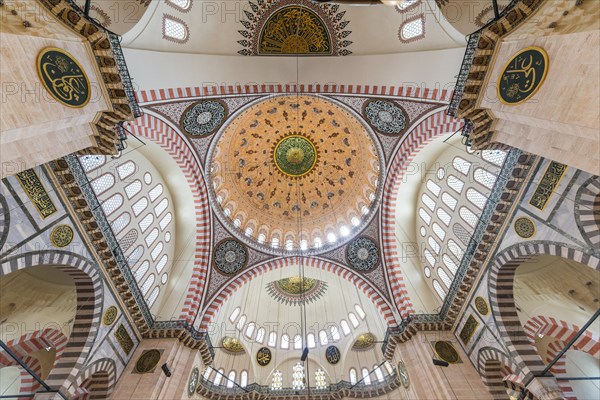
(525, 227)
(63, 77)
(110, 316)
(481, 305)
(193, 381)
(147, 361)
(333, 355)
(263, 356)
(403, 374)
(522, 75)
(61, 235)
(446, 352)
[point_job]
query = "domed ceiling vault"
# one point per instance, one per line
(292, 139)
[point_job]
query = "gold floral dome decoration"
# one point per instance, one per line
(232, 345)
(294, 172)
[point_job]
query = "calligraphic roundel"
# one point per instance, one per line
(522, 75)
(63, 77)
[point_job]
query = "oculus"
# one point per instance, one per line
(110, 316)
(522, 75)
(524, 227)
(61, 236)
(230, 256)
(295, 290)
(263, 356)
(147, 361)
(385, 116)
(63, 77)
(295, 156)
(294, 173)
(481, 306)
(193, 381)
(233, 345)
(203, 118)
(362, 254)
(446, 352)
(333, 355)
(299, 27)
(364, 342)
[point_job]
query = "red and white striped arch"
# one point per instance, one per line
(310, 262)
(158, 131)
(563, 331)
(433, 126)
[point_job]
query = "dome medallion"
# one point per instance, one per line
(295, 174)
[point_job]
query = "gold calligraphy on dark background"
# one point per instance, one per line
(294, 30)
(468, 330)
(548, 184)
(63, 77)
(522, 76)
(124, 339)
(36, 192)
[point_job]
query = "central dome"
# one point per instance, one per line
(294, 172)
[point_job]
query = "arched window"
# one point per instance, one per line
(353, 376)
(444, 277)
(434, 188)
(427, 272)
(103, 183)
(180, 5)
(126, 169)
(277, 380)
(165, 221)
(468, 216)
(429, 257)
(450, 264)
(207, 373)
(164, 278)
(323, 338)
(113, 203)
(456, 184)
(360, 311)
(92, 162)
(133, 188)
(156, 251)
(335, 333)
(449, 200)
(120, 222)
(244, 379)
(495, 157)
(139, 206)
(434, 244)
(147, 284)
(461, 165)
(152, 236)
(260, 335)
(250, 330)
(424, 216)
(353, 319)
(272, 339)
(234, 314)
(297, 342)
(439, 231)
(320, 381)
(378, 373)
(461, 233)
(153, 296)
(241, 322)
(455, 249)
(388, 367)
(484, 177)
(366, 376)
(345, 327)
(298, 377)
(412, 29)
(476, 198)
(155, 192)
(161, 207)
(230, 379)
(141, 271)
(135, 256)
(175, 30)
(428, 201)
(128, 240)
(403, 6)
(444, 216)
(310, 341)
(218, 377)
(285, 341)
(438, 289)
(162, 263)
(146, 222)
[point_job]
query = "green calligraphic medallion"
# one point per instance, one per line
(63, 77)
(403, 374)
(295, 156)
(193, 381)
(263, 356)
(522, 75)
